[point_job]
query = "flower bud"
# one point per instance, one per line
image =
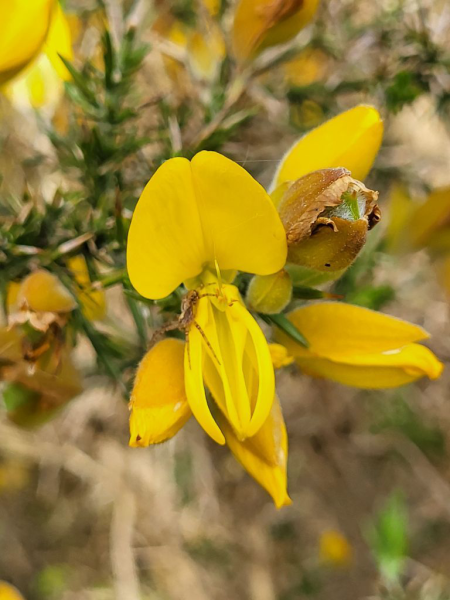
(326, 215)
(270, 294)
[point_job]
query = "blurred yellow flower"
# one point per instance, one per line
(24, 27)
(260, 24)
(359, 347)
(8, 592)
(92, 301)
(203, 47)
(44, 28)
(335, 549)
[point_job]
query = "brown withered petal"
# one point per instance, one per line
(307, 202)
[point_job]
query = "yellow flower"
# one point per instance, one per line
(159, 408)
(8, 592)
(360, 347)
(335, 549)
(36, 35)
(260, 24)
(198, 222)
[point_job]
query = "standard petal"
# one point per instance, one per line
(264, 456)
(335, 330)
(377, 371)
(23, 28)
(158, 405)
(241, 226)
(191, 215)
(351, 140)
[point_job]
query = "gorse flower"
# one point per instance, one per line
(199, 222)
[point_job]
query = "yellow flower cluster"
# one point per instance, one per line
(200, 222)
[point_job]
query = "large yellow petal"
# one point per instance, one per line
(336, 330)
(259, 24)
(264, 456)
(159, 407)
(192, 214)
(59, 42)
(351, 140)
(23, 28)
(376, 371)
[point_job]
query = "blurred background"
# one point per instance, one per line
(84, 517)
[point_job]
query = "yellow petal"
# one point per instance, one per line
(23, 28)
(93, 302)
(8, 592)
(351, 140)
(264, 456)
(59, 42)
(336, 330)
(376, 371)
(192, 214)
(259, 24)
(41, 291)
(159, 407)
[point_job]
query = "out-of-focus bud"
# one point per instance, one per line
(270, 294)
(260, 24)
(326, 215)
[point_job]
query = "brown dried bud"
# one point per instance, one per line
(326, 215)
